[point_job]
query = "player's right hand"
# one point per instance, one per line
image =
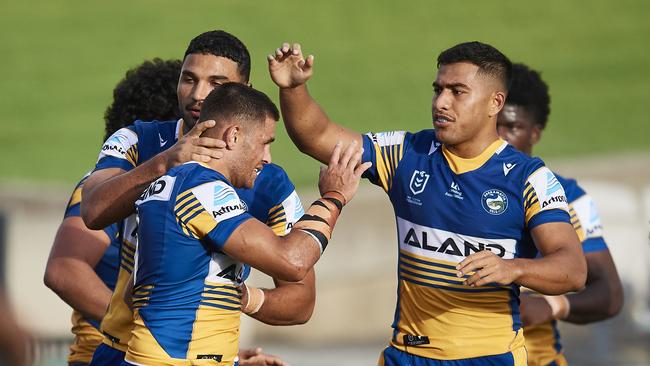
(193, 147)
(343, 172)
(288, 67)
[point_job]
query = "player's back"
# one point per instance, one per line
(186, 296)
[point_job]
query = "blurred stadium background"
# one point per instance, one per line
(375, 61)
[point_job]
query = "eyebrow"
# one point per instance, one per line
(271, 140)
(211, 77)
(451, 85)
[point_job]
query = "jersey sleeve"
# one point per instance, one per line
(120, 150)
(544, 199)
(384, 150)
(586, 221)
(74, 208)
(285, 206)
(211, 211)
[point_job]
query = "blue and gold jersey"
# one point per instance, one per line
(543, 341)
(86, 331)
(273, 200)
(447, 208)
(186, 296)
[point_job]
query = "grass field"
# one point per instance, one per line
(375, 61)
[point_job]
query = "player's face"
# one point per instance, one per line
(256, 153)
(516, 125)
(200, 74)
(462, 103)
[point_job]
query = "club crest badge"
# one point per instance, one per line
(418, 181)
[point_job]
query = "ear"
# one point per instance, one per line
(232, 136)
(536, 134)
(497, 101)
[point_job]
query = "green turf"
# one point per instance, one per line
(375, 61)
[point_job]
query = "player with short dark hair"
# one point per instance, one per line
(521, 123)
(134, 156)
(195, 236)
(83, 264)
(466, 204)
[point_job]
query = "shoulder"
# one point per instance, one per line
(571, 188)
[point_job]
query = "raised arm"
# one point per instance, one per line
(109, 194)
(291, 257)
(306, 122)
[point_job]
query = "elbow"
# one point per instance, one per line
(90, 217)
(295, 271)
(578, 281)
(616, 301)
(53, 278)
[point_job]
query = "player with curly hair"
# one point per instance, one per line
(83, 264)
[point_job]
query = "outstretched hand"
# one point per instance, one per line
(193, 147)
(343, 172)
(288, 67)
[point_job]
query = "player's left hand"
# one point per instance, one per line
(255, 357)
(534, 310)
(488, 268)
(288, 67)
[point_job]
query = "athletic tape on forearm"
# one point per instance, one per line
(255, 300)
(560, 306)
(320, 218)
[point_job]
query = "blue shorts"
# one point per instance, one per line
(107, 356)
(394, 357)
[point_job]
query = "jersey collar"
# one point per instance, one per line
(460, 165)
(179, 129)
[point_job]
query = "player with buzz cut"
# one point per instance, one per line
(195, 235)
(83, 264)
(466, 205)
(521, 122)
(135, 156)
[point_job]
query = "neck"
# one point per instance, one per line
(473, 147)
(221, 166)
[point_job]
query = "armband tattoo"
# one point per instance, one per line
(321, 216)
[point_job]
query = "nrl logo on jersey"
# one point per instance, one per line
(494, 202)
(418, 181)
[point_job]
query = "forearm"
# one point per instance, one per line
(309, 126)
(553, 274)
(602, 297)
(111, 200)
(77, 284)
(289, 303)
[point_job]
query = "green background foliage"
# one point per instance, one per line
(375, 62)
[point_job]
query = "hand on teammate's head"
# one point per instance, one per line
(193, 147)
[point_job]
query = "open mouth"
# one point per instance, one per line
(441, 120)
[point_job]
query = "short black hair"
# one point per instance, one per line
(147, 92)
(238, 101)
(529, 91)
(489, 60)
(223, 44)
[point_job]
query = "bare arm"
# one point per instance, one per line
(306, 122)
(603, 296)
(70, 268)
(291, 257)
(110, 194)
(562, 267)
(289, 303)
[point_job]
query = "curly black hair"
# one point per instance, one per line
(223, 44)
(147, 92)
(529, 91)
(488, 59)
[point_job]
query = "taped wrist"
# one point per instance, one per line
(255, 300)
(321, 216)
(560, 306)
